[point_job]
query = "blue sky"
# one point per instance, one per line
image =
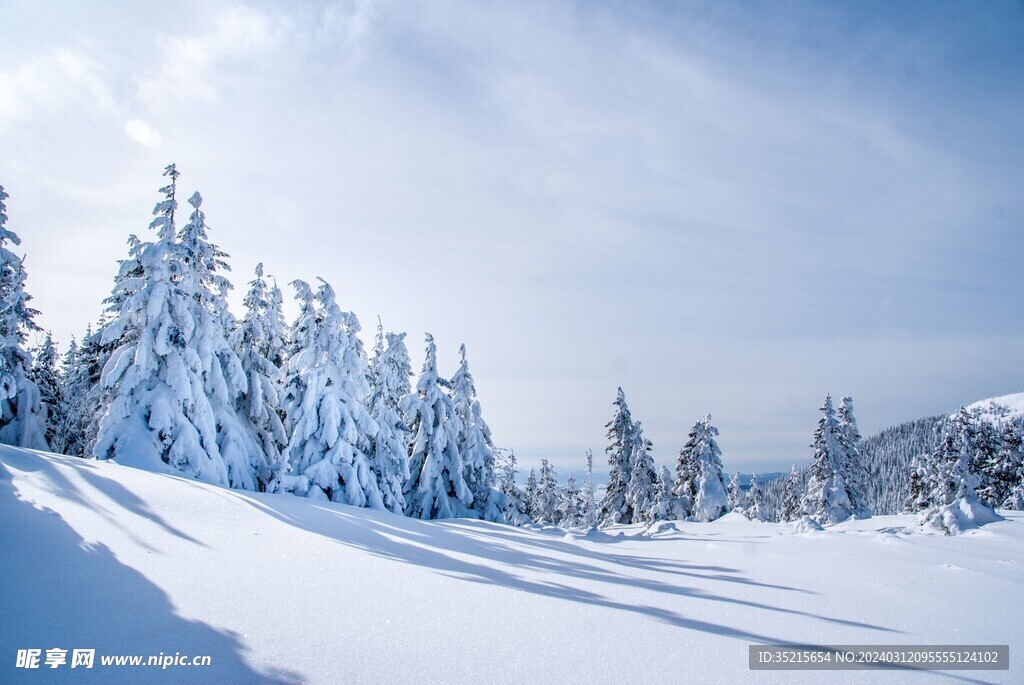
(730, 208)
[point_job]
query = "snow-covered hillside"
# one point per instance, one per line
(1000, 407)
(281, 589)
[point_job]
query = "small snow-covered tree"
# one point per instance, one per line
(588, 518)
(436, 488)
(546, 502)
(390, 370)
(515, 510)
(331, 430)
(47, 377)
(475, 444)
(753, 507)
(259, 341)
(791, 508)
(684, 489)
(615, 507)
(661, 508)
(158, 411)
(735, 493)
(641, 491)
(855, 476)
(529, 499)
(22, 414)
(568, 509)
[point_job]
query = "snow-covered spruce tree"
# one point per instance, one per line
(661, 508)
(47, 377)
(331, 430)
(546, 502)
(529, 497)
(259, 341)
(735, 493)
(1013, 453)
(69, 431)
(710, 500)
(225, 381)
(997, 472)
(22, 415)
(852, 464)
(643, 479)
(827, 498)
(684, 490)
(390, 370)
(80, 393)
(791, 508)
(568, 509)
(754, 501)
(588, 517)
(951, 477)
(158, 413)
(614, 505)
(475, 445)
(515, 511)
(436, 488)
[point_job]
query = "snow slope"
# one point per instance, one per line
(279, 589)
(995, 407)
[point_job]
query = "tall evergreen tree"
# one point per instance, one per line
(754, 501)
(615, 507)
(259, 342)
(854, 474)
(545, 508)
(1013, 454)
(827, 498)
(735, 493)
(513, 497)
(710, 500)
(661, 509)
(642, 488)
(22, 415)
(159, 412)
(331, 429)
(390, 370)
(529, 500)
(568, 509)
(996, 466)
(475, 444)
(436, 488)
(684, 490)
(589, 513)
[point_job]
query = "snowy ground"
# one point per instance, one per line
(278, 589)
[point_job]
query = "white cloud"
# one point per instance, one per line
(51, 85)
(142, 133)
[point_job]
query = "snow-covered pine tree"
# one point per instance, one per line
(47, 377)
(158, 413)
(69, 431)
(710, 500)
(1013, 454)
(827, 498)
(475, 444)
(436, 488)
(852, 464)
(791, 508)
(81, 393)
(641, 490)
(546, 502)
(614, 505)
(22, 415)
(225, 381)
(588, 517)
(997, 472)
(661, 508)
(684, 490)
(951, 477)
(735, 493)
(390, 370)
(529, 498)
(754, 501)
(513, 497)
(568, 509)
(331, 430)
(259, 342)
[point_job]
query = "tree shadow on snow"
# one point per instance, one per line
(67, 594)
(448, 547)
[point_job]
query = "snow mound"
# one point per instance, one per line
(996, 408)
(966, 513)
(807, 525)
